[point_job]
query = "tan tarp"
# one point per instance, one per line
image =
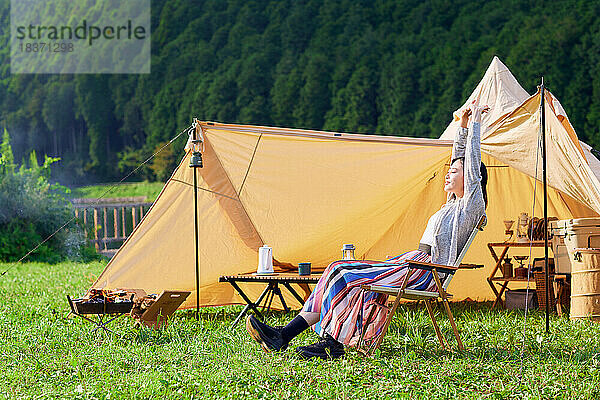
(305, 193)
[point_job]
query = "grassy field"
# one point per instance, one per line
(134, 189)
(45, 355)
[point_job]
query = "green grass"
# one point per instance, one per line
(134, 189)
(45, 355)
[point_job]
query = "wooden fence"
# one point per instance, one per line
(108, 222)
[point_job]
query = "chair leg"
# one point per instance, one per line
(364, 323)
(454, 328)
(391, 311)
(444, 297)
(361, 347)
(435, 325)
(390, 315)
(558, 301)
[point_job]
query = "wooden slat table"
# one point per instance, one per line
(272, 289)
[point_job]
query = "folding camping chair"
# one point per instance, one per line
(401, 292)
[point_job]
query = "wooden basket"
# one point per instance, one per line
(540, 289)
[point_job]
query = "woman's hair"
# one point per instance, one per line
(484, 178)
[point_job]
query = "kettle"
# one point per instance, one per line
(265, 260)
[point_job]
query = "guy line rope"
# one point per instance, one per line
(538, 150)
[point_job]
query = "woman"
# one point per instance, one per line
(335, 305)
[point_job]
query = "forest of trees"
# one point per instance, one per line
(392, 67)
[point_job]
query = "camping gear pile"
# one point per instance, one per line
(304, 192)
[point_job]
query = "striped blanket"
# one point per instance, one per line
(342, 304)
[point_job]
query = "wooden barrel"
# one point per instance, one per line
(585, 284)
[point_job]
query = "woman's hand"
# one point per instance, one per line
(477, 110)
(464, 117)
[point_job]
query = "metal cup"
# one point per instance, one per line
(304, 268)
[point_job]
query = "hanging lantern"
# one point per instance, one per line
(522, 228)
(196, 159)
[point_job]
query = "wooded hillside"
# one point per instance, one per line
(385, 66)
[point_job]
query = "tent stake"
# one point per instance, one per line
(546, 269)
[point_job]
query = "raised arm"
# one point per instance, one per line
(460, 142)
(460, 139)
(472, 156)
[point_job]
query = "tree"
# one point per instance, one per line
(285, 92)
(354, 107)
(7, 159)
(32, 210)
(94, 104)
(59, 117)
(314, 97)
(397, 92)
(164, 162)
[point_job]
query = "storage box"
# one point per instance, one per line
(569, 234)
(515, 299)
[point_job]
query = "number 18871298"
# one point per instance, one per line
(48, 47)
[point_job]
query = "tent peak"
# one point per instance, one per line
(497, 66)
(499, 90)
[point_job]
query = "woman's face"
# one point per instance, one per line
(454, 182)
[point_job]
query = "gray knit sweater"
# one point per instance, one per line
(455, 221)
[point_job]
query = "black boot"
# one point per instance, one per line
(268, 337)
(326, 348)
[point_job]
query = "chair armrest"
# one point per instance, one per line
(470, 266)
(429, 266)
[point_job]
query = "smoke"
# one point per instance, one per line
(74, 242)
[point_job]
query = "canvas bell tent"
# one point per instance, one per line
(305, 193)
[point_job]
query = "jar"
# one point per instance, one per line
(348, 252)
(507, 268)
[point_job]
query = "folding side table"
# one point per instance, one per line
(273, 289)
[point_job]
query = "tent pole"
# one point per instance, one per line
(196, 242)
(195, 163)
(546, 269)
